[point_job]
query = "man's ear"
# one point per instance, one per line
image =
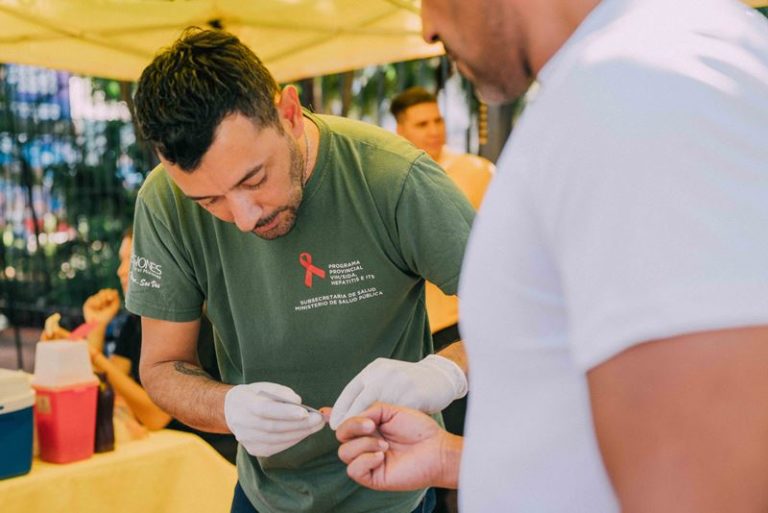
(289, 109)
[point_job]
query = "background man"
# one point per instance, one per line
(613, 296)
(310, 238)
(420, 121)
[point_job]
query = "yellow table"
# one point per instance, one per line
(167, 472)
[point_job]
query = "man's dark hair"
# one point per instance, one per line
(188, 89)
(408, 98)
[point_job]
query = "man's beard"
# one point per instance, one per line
(289, 211)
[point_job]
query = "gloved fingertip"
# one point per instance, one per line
(336, 419)
(335, 423)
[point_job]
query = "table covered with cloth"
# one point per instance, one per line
(166, 472)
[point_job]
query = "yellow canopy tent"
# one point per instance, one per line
(295, 38)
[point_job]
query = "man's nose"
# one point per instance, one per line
(245, 213)
(428, 32)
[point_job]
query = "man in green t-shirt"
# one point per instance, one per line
(310, 238)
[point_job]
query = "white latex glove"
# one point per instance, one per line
(265, 426)
(428, 385)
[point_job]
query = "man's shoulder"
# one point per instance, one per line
(374, 158)
(161, 199)
(371, 143)
(157, 187)
(695, 41)
(452, 160)
(614, 83)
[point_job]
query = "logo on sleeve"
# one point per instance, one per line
(305, 259)
(145, 273)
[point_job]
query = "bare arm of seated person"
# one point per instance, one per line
(122, 363)
(682, 423)
(100, 309)
(117, 369)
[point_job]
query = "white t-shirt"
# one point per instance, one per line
(630, 204)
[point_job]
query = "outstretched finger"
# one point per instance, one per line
(362, 468)
(356, 447)
(355, 427)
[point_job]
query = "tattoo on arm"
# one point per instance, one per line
(190, 370)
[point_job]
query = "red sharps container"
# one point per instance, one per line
(65, 405)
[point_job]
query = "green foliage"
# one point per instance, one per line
(365, 93)
(64, 215)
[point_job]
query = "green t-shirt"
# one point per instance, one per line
(310, 309)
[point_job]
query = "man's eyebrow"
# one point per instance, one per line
(250, 174)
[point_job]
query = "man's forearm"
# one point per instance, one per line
(188, 393)
(455, 352)
(450, 455)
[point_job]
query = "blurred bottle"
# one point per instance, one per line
(105, 407)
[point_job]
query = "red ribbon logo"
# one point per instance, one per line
(305, 259)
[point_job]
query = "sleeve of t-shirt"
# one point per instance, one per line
(433, 219)
(161, 281)
(660, 224)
